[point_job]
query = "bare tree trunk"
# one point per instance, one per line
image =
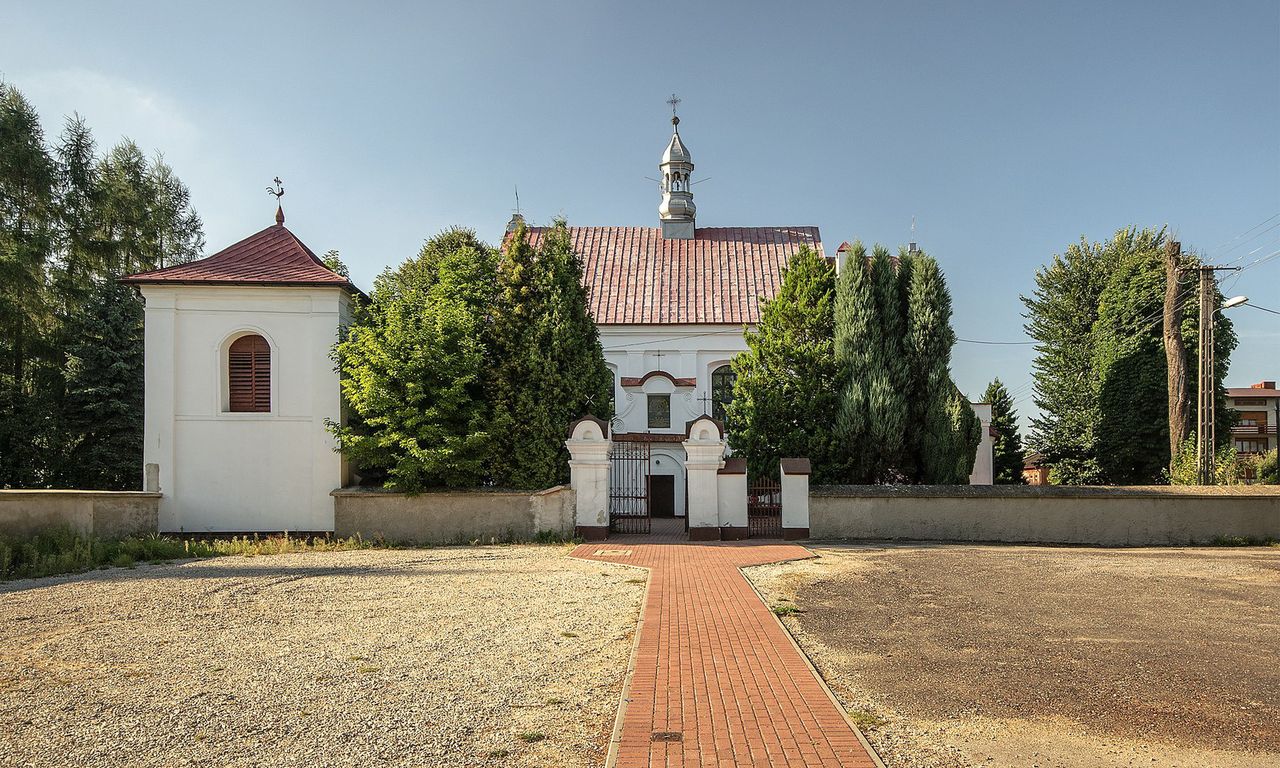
(1175, 351)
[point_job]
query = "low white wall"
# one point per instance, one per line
(1131, 516)
(450, 517)
(105, 514)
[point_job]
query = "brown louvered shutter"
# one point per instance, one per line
(249, 373)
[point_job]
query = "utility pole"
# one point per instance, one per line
(1175, 351)
(1207, 388)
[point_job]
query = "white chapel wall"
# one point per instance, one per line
(223, 471)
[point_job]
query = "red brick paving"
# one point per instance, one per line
(714, 666)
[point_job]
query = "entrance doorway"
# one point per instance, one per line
(662, 495)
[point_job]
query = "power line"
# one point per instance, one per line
(999, 343)
(1264, 309)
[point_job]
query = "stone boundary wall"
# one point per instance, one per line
(1122, 516)
(105, 514)
(451, 517)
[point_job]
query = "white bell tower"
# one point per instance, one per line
(677, 209)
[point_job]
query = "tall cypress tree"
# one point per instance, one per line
(857, 349)
(889, 375)
(548, 366)
(786, 386)
(1006, 450)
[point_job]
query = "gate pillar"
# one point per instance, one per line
(732, 487)
(704, 456)
(795, 498)
(589, 447)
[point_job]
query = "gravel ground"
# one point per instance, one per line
(954, 656)
(445, 657)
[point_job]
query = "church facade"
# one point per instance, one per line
(672, 303)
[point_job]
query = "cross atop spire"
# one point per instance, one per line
(674, 101)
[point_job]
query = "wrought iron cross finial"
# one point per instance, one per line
(674, 101)
(277, 190)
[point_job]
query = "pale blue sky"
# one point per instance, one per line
(1008, 129)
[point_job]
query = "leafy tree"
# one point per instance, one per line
(1269, 468)
(103, 407)
(786, 387)
(1185, 467)
(1100, 369)
(413, 367)
(1007, 453)
(334, 263)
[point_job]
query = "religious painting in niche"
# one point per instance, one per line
(722, 380)
(249, 375)
(659, 407)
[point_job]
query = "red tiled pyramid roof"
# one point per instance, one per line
(274, 256)
(635, 276)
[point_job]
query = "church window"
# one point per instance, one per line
(659, 407)
(722, 380)
(249, 375)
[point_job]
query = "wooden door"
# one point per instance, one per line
(662, 495)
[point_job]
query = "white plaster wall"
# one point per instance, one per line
(684, 351)
(222, 471)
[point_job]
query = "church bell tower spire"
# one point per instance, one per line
(677, 209)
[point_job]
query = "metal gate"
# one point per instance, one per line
(629, 488)
(764, 509)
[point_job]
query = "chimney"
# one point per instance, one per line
(1265, 385)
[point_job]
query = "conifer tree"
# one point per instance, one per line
(857, 322)
(786, 386)
(1007, 453)
(103, 408)
(548, 366)
(889, 375)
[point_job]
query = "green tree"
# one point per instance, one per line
(857, 355)
(27, 238)
(947, 428)
(1269, 468)
(1100, 370)
(547, 365)
(333, 261)
(413, 366)
(786, 386)
(103, 407)
(1007, 453)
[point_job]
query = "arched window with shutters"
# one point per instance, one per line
(722, 379)
(249, 375)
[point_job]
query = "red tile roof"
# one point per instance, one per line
(637, 277)
(274, 256)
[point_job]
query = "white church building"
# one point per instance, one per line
(672, 303)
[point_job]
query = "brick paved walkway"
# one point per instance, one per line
(717, 682)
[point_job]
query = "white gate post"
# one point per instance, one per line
(795, 498)
(589, 446)
(732, 481)
(704, 456)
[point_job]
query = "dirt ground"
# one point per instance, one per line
(953, 655)
(510, 656)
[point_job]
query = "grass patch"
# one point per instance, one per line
(499, 753)
(65, 551)
(865, 718)
(1243, 541)
(635, 581)
(784, 610)
(532, 737)
(567, 633)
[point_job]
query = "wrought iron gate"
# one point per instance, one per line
(629, 488)
(764, 509)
